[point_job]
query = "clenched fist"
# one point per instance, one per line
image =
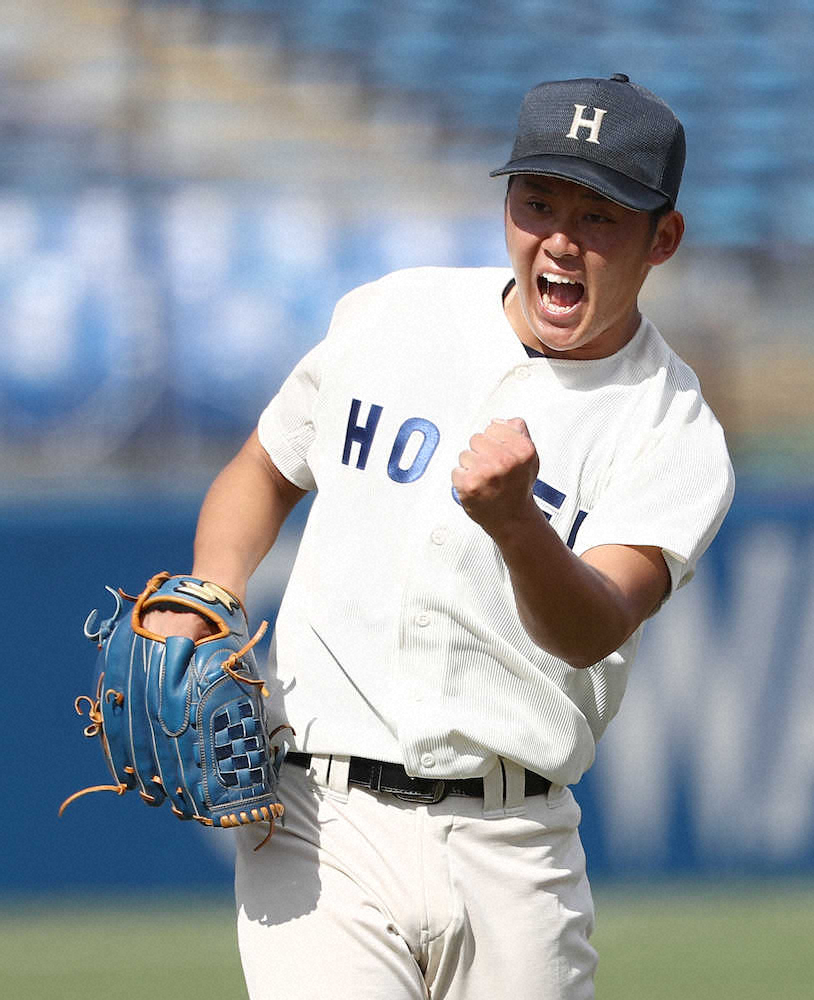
(495, 476)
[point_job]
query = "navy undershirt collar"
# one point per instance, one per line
(529, 350)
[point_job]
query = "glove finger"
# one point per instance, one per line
(114, 668)
(147, 657)
(169, 693)
(169, 705)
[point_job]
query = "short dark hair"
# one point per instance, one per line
(658, 214)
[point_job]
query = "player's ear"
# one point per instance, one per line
(666, 238)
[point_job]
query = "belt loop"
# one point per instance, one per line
(493, 791)
(320, 766)
(515, 791)
(338, 774)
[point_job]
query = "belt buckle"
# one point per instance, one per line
(438, 793)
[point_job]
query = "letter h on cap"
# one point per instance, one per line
(593, 124)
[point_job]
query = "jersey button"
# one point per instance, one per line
(439, 536)
(522, 372)
(422, 620)
(427, 760)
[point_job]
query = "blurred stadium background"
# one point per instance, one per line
(185, 190)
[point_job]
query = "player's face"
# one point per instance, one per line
(579, 262)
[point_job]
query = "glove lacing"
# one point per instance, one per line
(96, 728)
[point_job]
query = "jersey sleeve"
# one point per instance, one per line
(673, 493)
(287, 426)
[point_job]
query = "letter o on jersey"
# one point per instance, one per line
(430, 438)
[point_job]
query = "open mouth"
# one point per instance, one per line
(559, 294)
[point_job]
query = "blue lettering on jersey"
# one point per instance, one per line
(431, 434)
(362, 434)
(548, 494)
(581, 515)
(555, 498)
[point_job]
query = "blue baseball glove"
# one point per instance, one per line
(184, 720)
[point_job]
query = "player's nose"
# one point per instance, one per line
(560, 242)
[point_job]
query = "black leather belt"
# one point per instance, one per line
(381, 776)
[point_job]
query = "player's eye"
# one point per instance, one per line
(596, 218)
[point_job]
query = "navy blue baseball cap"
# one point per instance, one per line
(611, 136)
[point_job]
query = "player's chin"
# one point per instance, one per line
(561, 337)
(558, 324)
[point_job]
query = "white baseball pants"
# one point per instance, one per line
(361, 896)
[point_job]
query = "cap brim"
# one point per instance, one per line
(604, 180)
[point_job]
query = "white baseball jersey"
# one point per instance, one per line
(398, 637)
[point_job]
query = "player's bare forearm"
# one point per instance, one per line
(241, 517)
(239, 521)
(569, 606)
(578, 608)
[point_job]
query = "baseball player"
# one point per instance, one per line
(513, 471)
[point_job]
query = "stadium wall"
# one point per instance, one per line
(708, 769)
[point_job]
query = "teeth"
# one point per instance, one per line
(555, 308)
(555, 279)
(559, 279)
